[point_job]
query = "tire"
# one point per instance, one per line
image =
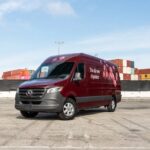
(69, 110)
(112, 106)
(28, 114)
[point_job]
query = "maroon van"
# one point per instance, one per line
(65, 84)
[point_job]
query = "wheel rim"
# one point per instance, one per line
(113, 104)
(69, 109)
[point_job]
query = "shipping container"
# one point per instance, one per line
(124, 70)
(132, 64)
(145, 76)
(120, 69)
(136, 71)
(118, 62)
(18, 74)
(126, 76)
(121, 76)
(128, 63)
(124, 63)
(144, 71)
(127, 70)
(132, 71)
(6, 74)
(134, 77)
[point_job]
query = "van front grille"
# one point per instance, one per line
(32, 93)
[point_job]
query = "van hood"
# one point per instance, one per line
(42, 83)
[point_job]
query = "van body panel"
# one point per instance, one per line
(45, 83)
(91, 101)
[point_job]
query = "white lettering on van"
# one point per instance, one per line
(94, 70)
(95, 77)
(95, 73)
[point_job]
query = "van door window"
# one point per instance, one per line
(80, 69)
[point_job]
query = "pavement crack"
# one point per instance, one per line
(139, 125)
(131, 130)
(18, 133)
(43, 130)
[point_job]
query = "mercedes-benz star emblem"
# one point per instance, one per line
(29, 93)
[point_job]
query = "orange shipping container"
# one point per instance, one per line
(118, 62)
(16, 74)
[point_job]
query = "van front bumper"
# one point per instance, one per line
(48, 103)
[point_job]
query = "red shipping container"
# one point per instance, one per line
(6, 74)
(136, 71)
(144, 71)
(139, 77)
(120, 63)
(126, 76)
(120, 69)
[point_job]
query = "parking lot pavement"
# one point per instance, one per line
(127, 128)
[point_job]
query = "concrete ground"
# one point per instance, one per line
(127, 128)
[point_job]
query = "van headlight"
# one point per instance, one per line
(54, 89)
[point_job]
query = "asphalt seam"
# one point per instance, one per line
(18, 133)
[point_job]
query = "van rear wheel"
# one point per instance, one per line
(69, 110)
(112, 106)
(28, 114)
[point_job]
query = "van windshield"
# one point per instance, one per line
(53, 70)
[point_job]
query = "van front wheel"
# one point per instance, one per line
(69, 110)
(112, 106)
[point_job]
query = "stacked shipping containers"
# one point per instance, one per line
(20, 74)
(126, 69)
(144, 74)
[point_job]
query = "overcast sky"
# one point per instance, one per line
(106, 28)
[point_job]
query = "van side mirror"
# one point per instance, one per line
(77, 76)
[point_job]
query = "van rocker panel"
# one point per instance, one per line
(97, 98)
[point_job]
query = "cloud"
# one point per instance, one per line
(9, 6)
(60, 8)
(54, 7)
(132, 39)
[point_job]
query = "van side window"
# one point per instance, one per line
(80, 69)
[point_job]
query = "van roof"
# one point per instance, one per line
(65, 57)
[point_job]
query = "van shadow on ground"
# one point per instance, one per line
(54, 116)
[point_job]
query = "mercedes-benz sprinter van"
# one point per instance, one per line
(65, 84)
